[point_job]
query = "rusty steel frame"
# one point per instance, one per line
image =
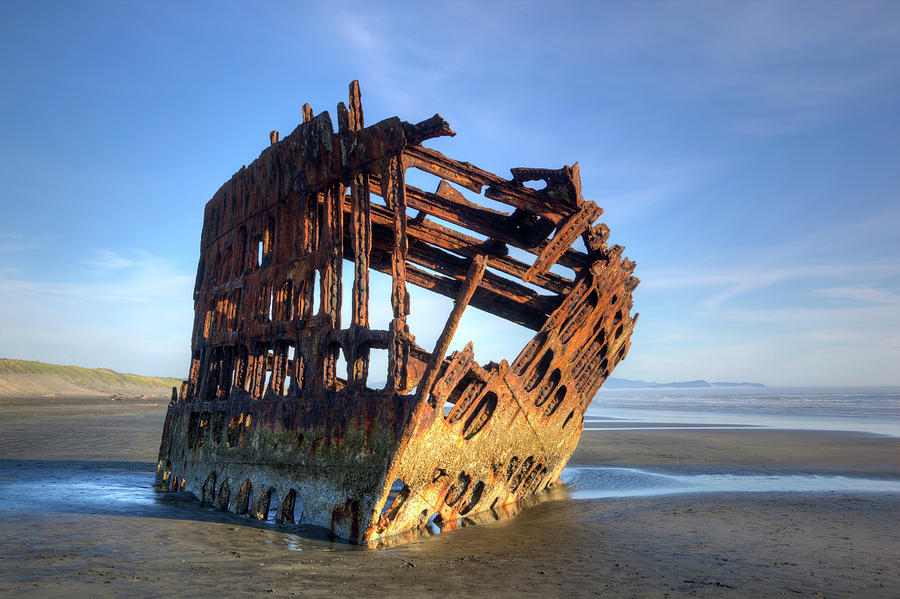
(265, 426)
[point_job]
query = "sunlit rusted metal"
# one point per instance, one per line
(266, 426)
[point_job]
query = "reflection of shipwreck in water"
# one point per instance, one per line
(267, 426)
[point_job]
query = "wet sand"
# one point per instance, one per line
(77, 518)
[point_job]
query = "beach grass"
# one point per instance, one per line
(99, 379)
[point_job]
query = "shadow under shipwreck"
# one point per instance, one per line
(113, 488)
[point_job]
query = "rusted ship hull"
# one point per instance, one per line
(266, 427)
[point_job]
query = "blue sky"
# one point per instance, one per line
(746, 154)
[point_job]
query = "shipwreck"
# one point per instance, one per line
(267, 425)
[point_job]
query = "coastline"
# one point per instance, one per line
(99, 531)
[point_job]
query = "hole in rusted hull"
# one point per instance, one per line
(286, 511)
(558, 398)
(520, 475)
(396, 498)
(244, 431)
(458, 489)
(546, 389)
(435, 524)
(464, 393)
(263, 502)
(398, 490)
(167, 473)
(511, 469)
(317, 293)
(242, 501)
(539, 371)
(480, 415)
(208, 492)
(218, 427)
(192, 429)
(532, 481)
(474, 498)
(233, 435)
(527, 355)
(224, 496)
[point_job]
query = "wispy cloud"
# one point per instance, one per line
(76, 291)
(837, 317)
(742, 278)
(815, 261)
(129, 312)
(12, 242)
(145, 278)
(861, 294)
(398, 69)
(783, 66)
(635, 187)
(108, 260)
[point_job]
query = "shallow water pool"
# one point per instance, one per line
(601, 483)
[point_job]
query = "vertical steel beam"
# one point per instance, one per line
(332, 245)
(361, 238)
(393, 190)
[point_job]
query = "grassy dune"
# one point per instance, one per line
(24, 377)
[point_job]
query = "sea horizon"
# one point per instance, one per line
(859, 409)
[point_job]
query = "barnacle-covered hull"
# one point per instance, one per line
(266, 427)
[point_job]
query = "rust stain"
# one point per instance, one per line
(264, 425)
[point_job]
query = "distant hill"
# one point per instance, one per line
(614, 383)
(24, 378)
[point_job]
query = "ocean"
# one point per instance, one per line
(873, 410)
(859, 410)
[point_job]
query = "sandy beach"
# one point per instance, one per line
(79, 518)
